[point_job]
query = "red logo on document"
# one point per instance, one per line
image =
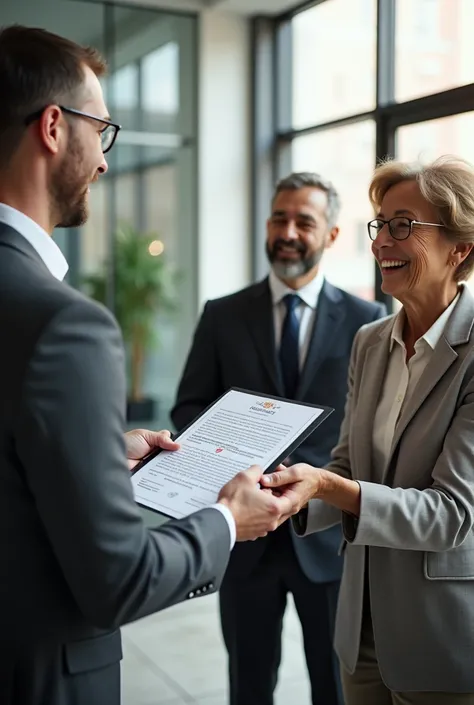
(268, 405)
(219, 450)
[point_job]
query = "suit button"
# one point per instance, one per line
(211, 586)
(191, 594)
(204, 588)
(198, 592)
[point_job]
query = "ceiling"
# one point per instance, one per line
(87, 26)
(245, 7)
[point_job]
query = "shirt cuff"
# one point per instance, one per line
(229, 517)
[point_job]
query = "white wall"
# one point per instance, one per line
(224, 154)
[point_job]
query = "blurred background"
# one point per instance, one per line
(218, 99)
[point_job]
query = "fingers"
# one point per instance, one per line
(286, 507)
(168, 444)
(285, 476)
(161, 439)
(254, 472)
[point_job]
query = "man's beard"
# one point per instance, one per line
(69, 188)
(294, 268)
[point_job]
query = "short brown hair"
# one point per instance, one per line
(37, 69)
(448, 184)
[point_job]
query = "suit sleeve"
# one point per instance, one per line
(200, 382)
(69, 438)
(438, 518)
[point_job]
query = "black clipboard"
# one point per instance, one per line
(325, 412)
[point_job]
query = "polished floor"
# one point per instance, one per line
(177, 657)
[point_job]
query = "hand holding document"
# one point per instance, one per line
(255, 512)
(239, 430)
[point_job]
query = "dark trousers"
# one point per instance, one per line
(252, 610)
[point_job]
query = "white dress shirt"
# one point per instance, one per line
(38, 238)
(305, 311)
(400, 381)
(57, 265)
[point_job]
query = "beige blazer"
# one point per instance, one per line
(417, 525)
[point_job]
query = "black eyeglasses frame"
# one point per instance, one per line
(72, 111)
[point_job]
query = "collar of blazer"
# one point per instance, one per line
(459, 327)
(11, 238)
(372, 362)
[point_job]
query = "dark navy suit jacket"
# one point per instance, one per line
(234, 346)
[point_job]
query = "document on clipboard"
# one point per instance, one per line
(238, 430)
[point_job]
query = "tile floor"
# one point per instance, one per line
(176, 657)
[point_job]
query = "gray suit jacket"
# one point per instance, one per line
(418, 523)
(76, 559)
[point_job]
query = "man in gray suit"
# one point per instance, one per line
(77, 561)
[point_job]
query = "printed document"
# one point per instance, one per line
(239, 430)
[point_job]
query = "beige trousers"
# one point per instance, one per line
(366, 687)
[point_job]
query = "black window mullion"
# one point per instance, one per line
(264, 129)
(385, 96)
(431, 107)
(385, 76)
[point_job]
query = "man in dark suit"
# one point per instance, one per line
(76, 559)
(290, 335)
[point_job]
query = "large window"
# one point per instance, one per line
(327, 82)
(151, 179)
(151, 185)
(346, 156)
(354, 82)
(434, 48)
(432, 138)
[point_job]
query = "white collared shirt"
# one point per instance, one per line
(38, 238)
(305, 311)
(400, 381)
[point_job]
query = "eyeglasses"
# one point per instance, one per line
(107, 136)
(399, 228)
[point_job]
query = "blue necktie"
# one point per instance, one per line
(289, 346)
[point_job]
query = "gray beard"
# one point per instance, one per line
(292, 270)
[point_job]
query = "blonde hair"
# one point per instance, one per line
(448, 184)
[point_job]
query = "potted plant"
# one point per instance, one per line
(144, 285)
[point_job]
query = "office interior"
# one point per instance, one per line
(217, 100)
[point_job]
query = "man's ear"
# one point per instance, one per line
(332, 237)
(51, 128)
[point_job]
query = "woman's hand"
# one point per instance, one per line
(299, 483)
(302, 482)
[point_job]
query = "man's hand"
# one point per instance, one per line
(298, 483)
(256, 512)
(141, 442)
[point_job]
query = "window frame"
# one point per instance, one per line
(272, 131)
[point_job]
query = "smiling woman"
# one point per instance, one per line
(401, 477)
(423, 235)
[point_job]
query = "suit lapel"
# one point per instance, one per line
(457, 332)
(443, 358)
(260, 321)
(329, 317)
(371, 385)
